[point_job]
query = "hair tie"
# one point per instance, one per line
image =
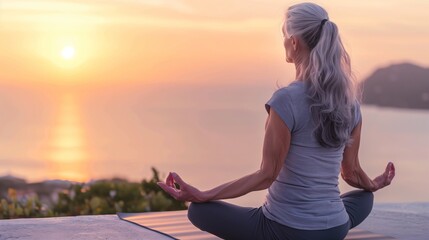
(312, 42)
(323, 22)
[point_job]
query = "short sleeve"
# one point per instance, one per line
(281, 102)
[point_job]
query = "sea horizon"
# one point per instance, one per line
(381, 132)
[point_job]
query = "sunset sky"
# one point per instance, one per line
(96, 88)
(222, 41)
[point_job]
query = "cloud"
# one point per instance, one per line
(152, 13)
(177, 5)
(84, 5)
(83, 12)
(44, 6)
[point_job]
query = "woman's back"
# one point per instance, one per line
(305, 194)
(312, 132)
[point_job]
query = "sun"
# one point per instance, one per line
(68, 52)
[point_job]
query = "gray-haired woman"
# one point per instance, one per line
(312, 135)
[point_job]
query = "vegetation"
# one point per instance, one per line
(99, 197)
(12, 208)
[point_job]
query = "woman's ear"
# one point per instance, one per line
(294, 43)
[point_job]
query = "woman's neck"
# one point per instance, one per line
(300, 70)
(301, 63)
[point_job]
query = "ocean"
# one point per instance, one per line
(207, 134)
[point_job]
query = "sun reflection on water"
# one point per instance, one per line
(67, 155)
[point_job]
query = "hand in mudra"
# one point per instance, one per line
(184, 191)
(386, 178)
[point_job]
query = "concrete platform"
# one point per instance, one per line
(81, 227)
(111, 227)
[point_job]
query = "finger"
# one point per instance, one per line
(170, 181)
(173, 192)
(392, 168)
(388, 169)
(391, 173)
(389, 166)
(178, 179)
(164, 186)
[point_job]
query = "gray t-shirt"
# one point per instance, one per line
(305, 194)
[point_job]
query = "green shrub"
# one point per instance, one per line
(100, 197)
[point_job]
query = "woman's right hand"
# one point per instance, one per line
(386, 178)
(185, 192)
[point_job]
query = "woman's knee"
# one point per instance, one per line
(195, 213)
(358, 205)
(359, 196)
(191, 212)
(203, 215)
(370, 196)
(367, 198)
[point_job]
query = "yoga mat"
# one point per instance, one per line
(176, 225)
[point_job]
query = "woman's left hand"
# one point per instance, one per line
(185, 192)
(384, 179)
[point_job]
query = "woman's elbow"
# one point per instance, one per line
(267, 178)
(349, 179)
(350, 172)
(350, 176)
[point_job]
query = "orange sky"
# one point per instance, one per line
(224, 41)
(93, 116)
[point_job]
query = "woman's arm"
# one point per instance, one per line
(275, 148)
(352, 172)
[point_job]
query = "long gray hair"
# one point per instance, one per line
(327, 73)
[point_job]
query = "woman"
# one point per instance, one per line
(312, 135)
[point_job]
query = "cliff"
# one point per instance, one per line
(401, 85)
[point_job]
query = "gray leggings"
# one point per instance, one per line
(229, 221)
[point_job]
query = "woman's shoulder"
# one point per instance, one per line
(294, 89)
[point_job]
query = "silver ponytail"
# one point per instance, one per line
(328, 73)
